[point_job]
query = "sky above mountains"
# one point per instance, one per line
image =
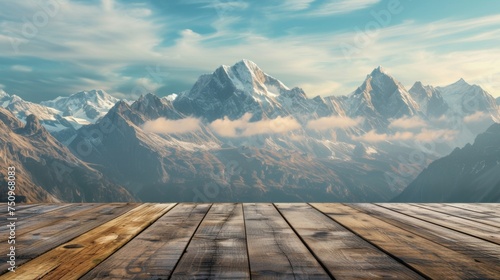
(58, 47)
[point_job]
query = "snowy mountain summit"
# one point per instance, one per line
(84, 107)
(233, 91)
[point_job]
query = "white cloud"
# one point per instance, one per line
(243, 127)
(425, 135)
(21, 68)
(476, 117)
(326, 123)
(408, 123)
(165, 126)
(296, 5)
(333, 7)
(374, 137)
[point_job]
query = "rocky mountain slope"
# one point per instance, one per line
(46, 171)
(468, 174)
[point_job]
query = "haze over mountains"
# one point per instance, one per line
(240, 134)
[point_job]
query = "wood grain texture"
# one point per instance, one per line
(39, 241)
(485, 208)
(482, 218)
(430, 258)
(218, 248)
(275, 251)
(343, 253)
(73, 259)
(472, 228)
(154, 253)
(35, 210)
(26, 225)
(477, 249)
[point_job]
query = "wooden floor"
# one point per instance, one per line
(243, 241)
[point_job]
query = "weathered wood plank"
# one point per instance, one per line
(478, 249)
(343, 253)
(431, 259)
(73, 259)
(274, 250)
(462, 213)
(218, 248)
(24, 226)
(479, 230)
(18, 208)
(37, 209)
(485, 208)
(34, 243)
(154, 253)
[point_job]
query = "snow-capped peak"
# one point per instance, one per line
(84, 106)
(3, 94)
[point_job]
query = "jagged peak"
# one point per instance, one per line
(379, 70)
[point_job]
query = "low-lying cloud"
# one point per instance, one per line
(326, 123)
(408, 123)
(425, 135)
(243, 127)
(165, 126)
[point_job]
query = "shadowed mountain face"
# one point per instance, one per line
(46, 171)
(469, 174)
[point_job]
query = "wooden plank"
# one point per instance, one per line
(154, 253)
(218, 248)
(73, 259)
(18, 208)
(343, 253)
(274, 249)
(479, 230)
(431, 259)
(482, 218)
(34, 243)
(478, 249)
(24, 226)
(490, 209)
(37, 209)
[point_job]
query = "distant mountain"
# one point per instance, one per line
(46, 170)
(498, 100)
(380, 98)
(469, 174)
(244, 88)
(84, 107)
(429, 99)
(465, 99)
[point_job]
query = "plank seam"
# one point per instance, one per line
(246, 239)
(305, 244)
(2, 273)
(478, 237)
(189, 242)
(451, 214)
(462, 208)
(123, 245)
(375, 245)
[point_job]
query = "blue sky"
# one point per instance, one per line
(58, 47)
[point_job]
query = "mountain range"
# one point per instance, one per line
(240, 134)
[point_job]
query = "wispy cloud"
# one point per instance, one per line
(408, 123)
(333, 7)
(165, 126)
(326, 123)
(243, 127)
(21, 68)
